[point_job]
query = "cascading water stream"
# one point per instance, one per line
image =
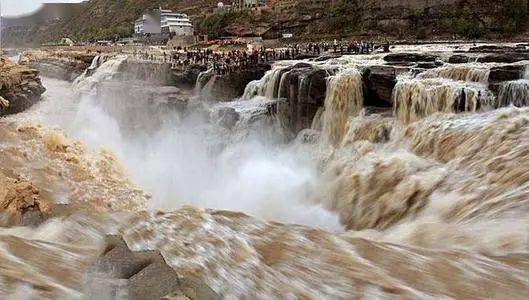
(450, 189)
(195, 159)
(464, 72)
(514, 93)
(269, 86)
(96, 73)
(344, 99)
(415, 99)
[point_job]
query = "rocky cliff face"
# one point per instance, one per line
(393, 18)
(20, 87)
(59, 64)
(99, 19)
(229, 86)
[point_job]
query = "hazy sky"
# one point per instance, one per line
(17, 7)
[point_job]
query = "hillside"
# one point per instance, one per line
(98, 19)
(304, 18)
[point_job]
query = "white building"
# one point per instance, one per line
(149, 23)
(176, 23)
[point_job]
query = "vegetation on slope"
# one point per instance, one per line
(108, 19)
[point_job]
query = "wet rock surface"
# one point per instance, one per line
(498, 48)
(379, 82)
(458, 59)
(139, 275)
(21, 202)
(503, 57)
(20, 87)
(303, 91)
(506, 73)
(228, 117)
(187, 77)
(229, 86)
(409, 57)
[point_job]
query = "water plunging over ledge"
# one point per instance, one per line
(439, 173)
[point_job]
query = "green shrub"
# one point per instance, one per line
(515, 12)
(215, 24)
(344, 17)
(468, 27)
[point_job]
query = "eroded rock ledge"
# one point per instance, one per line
(59, 64)
(20, 87)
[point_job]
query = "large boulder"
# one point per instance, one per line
(60, 69)
(20, 202)
(429, 64)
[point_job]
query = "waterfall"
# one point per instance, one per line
(205, 89)
(422, 185)
(97, 72)
(465, 72)
(417, 98)
(344, 99)
(268, 86)
(203, 79)
(514, 93)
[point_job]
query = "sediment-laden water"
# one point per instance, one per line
(427, 199)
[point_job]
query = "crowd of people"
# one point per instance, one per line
(223, 62)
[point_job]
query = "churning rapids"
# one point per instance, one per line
(427, 200)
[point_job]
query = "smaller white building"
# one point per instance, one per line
(176, 23)
(138, 26)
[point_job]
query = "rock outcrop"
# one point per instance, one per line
(506, 73)
(458, 59)
(379, 82)
(141, 275)
(188, 76)
(20, 202)
(510, 57)
(59, 63)
(230, 86)
(501, 74)
(303, 91)
(409, 57)
(20, 87)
